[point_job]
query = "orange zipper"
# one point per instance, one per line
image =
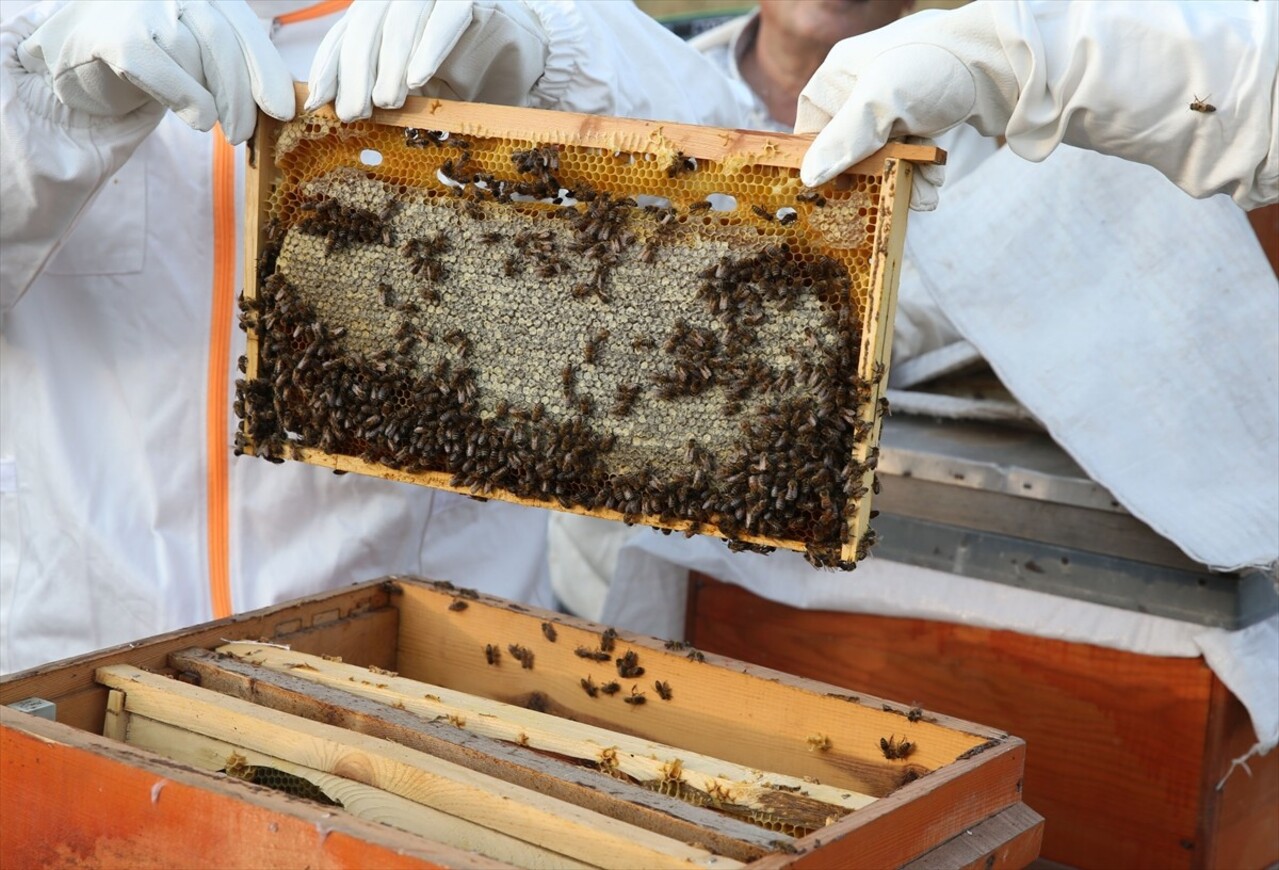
(223, 309)
(219, 353)
(318, 10)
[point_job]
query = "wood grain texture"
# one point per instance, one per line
(357, 623)
(516, 764)
(1239, 823)
(722, 708)
(358, 799)
(138, 814)
(579, 833)
(1115, 740)
(1007, 840)
(766, 148)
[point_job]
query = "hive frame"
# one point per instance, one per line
(893, 165)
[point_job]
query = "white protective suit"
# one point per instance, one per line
(1149, 348)
(106, 497)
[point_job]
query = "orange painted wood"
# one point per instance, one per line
(1265, 223)
(1116, 759)
(1240, 820)
(78, 800)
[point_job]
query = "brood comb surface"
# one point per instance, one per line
(624, 332)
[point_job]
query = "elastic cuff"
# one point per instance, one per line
(35, 91)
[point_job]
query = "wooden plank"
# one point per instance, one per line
(548, 775)
(1238, 823)
(723, 708)
(730, 784)
(745, 147)
(584, 835)
(362, 801)
(1116, 739)
(356, 623)
(147, 821)
(914, 819)
(890, 244)
(1010, 839)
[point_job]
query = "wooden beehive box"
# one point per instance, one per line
(643, 321)
(797, 773)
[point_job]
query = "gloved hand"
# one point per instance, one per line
(208, 61)
(1044, 73)
(479, 50)
(919, 76)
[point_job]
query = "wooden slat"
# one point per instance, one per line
(1010, 839)
(78, 800)
(356, 623)
(584, 835)
(751, 716)
(642, 760)
(890, 244)
(551, 776)
(742, 147)
(362, 801)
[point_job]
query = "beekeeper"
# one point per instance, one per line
(122, 511)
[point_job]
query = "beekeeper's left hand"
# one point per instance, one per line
(381, 50)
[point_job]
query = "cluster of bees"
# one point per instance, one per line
(786, 472)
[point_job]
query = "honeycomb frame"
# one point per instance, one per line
(820, 271)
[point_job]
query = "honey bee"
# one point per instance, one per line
(663, 689)
(915, 714)
(588, 686)
(696, 656)
(628, 666)
(762, 212)
(812, 196)
(894, 749)
(1202, 105)
(522, 655)
(598, 655)
(700, 205)
(492, 654)
(680, 164)
(458, 605)
(607, 638)
(636, 698)
(611, 688)
(549, 631)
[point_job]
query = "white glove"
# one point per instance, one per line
(208, 61)
(1113, 77)
(476, 50)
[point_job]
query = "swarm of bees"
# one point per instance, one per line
(749, 387)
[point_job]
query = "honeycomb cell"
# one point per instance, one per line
(506, 312)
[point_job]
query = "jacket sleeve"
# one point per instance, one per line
(613, 59)
(1120, 78)
(53, 160)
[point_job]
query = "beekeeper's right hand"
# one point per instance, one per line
(208, 61)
